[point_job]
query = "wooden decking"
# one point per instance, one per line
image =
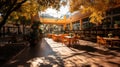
(54, 54)
(86, 54)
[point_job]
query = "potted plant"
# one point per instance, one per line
(110, 35)
(70, 34)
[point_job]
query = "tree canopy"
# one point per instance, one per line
(7, 7)
(31, 7)
(96, 7)
(17, 8)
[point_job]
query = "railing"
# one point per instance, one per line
(90, 34)
(6, 30)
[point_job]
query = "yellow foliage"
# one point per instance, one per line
(27, 9)
(31, 7)
(97, 8)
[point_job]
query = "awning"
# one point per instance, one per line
(75, 17)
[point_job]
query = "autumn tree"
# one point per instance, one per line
(26, 8)
(7, 7)
(31, 8)
(97, 8)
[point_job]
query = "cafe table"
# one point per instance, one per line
(111, 39)
(70, 39)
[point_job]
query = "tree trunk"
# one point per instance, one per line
(4, 20)
(12, 8)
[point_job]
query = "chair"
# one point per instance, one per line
(49, 35)
(101, 41)
(62, 37)
(54, 38)
(63, 40)
(75, 39)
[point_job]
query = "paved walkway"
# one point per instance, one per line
(53, 54)
(41, 55)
